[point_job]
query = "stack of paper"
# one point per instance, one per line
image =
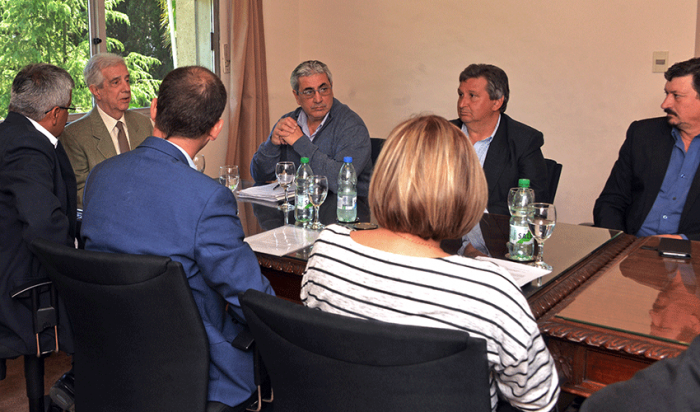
(272, 192)
(522, 273)
(283, 240)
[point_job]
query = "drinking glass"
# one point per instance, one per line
(541, 219)
(229, 177)
(318, 189)
(285, 172)
(199, 162)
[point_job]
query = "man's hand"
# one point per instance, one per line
(294, 136)
(284, 128)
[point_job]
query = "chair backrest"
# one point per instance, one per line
(553, 174)
(140, 344)
(320, 361)
(377, 144)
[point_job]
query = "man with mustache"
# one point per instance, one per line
(653, 187)
(321, 128)
(109, 129)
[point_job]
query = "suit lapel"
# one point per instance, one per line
(70, 185)
(103, 140)
(497, 155)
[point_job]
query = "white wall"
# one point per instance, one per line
(579, 71)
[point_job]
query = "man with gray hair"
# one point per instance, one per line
(321, 128)
(37, 196)
(109, 128)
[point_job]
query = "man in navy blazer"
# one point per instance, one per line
(653, 187)
(508, 150)
(37, 195)
(152, 200)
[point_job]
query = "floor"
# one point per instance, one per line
(13, 395)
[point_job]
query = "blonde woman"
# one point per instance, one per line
(428, 186)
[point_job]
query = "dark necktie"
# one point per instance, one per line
(121, 138)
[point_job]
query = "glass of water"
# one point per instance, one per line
(541, 219)
(285, 172)
(229, 177)
(318, 189)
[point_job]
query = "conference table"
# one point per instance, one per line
(610, 307)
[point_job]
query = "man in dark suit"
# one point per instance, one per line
(508, 150)
(152, 200)
(37, 195)
(669, 385)
(653, 187)
(97, 135)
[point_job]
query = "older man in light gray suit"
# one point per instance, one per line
(109, 128)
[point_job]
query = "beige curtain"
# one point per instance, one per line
(250, 112)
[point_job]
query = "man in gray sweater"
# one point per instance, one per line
(321, 128)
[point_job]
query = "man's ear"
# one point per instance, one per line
(497, 104)
(154, 109)
(95, 91)
(214, 132)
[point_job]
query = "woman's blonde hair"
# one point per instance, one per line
(428, 181)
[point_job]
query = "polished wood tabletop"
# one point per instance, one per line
(610, 307)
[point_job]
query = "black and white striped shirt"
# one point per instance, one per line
(455, 292)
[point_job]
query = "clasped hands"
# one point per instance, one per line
(287, 131)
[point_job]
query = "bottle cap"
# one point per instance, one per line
(347, 159)
(304, 160)
(524, 183)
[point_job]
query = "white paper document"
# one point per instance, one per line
(282, 240)
(272, 192)
(522, 273)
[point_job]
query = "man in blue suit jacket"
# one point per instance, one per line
(152, 200)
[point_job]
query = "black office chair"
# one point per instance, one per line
(377, 144)
(44, 322)
(140, 344)
(553, 174)
(319, 361)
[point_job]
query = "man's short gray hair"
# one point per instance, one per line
(308, 68)
(93, 70)
(38, 88)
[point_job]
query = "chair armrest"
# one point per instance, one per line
(29, 286)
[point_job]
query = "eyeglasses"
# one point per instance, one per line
(309, 93)
(61, 107)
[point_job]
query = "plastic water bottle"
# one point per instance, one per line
(347, 192)
(521, 245)
(303, 210)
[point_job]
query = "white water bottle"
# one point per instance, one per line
(303, 210)
(347, 192)
(521, 245)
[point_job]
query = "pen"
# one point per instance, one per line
(276, 186)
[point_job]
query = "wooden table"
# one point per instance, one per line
(589, 355)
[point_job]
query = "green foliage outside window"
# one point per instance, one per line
(56, 32)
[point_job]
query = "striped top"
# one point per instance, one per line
(454, 292)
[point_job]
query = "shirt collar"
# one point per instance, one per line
(303, 122)
(488, 139)
(52, 138)
(108, 120)
(187, 156)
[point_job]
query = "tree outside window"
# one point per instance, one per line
(56, 32)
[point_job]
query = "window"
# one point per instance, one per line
(67, 32)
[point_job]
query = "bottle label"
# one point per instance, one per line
(302, 201)
(520, 235)
(347, 202)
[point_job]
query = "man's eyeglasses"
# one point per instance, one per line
(62, 107)
(309, 93)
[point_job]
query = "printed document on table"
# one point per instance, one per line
(272, 192)
(522, 273)
(282, 240)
